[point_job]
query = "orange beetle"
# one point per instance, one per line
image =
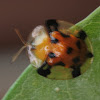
(56, 48)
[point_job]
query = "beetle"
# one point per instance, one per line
(49, 46)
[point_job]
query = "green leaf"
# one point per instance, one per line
(31, 86)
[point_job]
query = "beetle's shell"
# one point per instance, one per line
(35, 40)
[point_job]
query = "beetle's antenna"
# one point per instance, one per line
(18, 53)
(19, 35)
(22, 48)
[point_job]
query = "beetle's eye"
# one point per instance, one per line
(51, 55)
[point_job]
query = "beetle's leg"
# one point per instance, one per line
(44, 71)
(51, 25)
(82, 35)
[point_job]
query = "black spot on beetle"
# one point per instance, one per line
(76, 60)
(78, 44)
(90, 55)
(44, 72)
(51, 22)
(51, 25)
(51, 55)
(82, 35)
(60, 63)
(69, 50)
(76, 70)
